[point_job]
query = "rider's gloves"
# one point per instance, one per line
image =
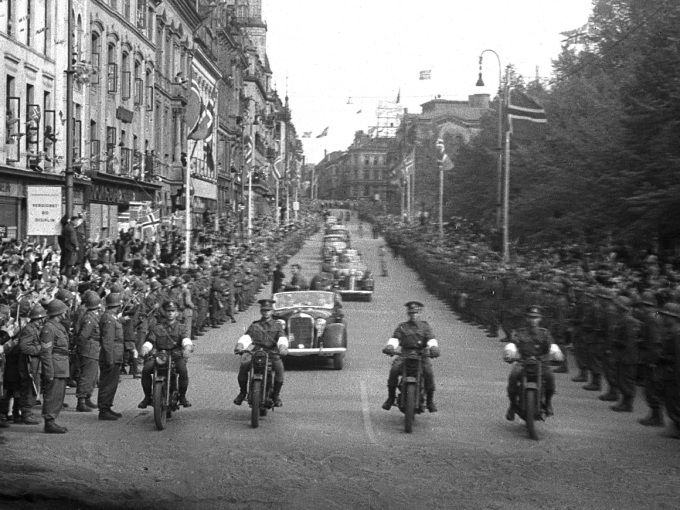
(283, 350)
(434, 352)
(238, 350)
(389, 350)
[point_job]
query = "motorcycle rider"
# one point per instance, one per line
(412, 334)
(171, 335)
(529, 341)
(269, 334)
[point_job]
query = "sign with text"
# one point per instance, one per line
(44, 210)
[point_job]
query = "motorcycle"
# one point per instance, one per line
(260, 386)
(165, 388)
(411, 387)
(531, 405)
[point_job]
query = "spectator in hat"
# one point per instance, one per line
(413, 335)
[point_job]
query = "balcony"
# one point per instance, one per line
(176, 91)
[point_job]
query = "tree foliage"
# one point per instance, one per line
(611, 163)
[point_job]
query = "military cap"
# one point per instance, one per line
(170, 306)
(533, 311)
(56, 307)
(266, 304)
(37, 312)
(177, 281)
(649, 299)
(414, 306)
(63, 295)
(113, 300)
(155, 285)
(671, 310)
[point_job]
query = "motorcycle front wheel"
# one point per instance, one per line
(409, 407)
(256, 393)
(159, 406)
(530, 417)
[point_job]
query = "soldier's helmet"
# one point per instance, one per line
(671, 310)
(113, 300)
(91, 300)
(648, 298)
(37, 312)
(533, 311)
(56, 307)
(170, 306)
(117, 288)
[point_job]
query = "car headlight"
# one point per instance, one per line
(320, 325)
(161, 358)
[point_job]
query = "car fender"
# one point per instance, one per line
(334, 335)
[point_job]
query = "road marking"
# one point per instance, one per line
(367, 414)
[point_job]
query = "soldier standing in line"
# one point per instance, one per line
(626, 353)
(87, 343)
(55, 360)
(650, 349)
(29, 364)
(110, 357)
(611, 317)
(669, 365)
(591, 328)
(578, 335)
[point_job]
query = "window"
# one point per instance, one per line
(139, 85)
(111, 164)
(127, 9)
(126, 78)
(149, 92)
(95, 49)
(95, 147)
(10, 17)
(29, 20)
(141, 14)
(47, 29)
(112, 69)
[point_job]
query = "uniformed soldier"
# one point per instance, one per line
(110, 357)
(88, 346)
(650, 350)
(412, 334)
(592, 323)
(610, 320)
(669, 364)
(626, 354)
(322, 280)
(269, 334)
(577, 315)
(532, 340)
(29, 363)
(170, 335)
(55, 364)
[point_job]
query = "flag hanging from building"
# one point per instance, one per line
(408, 166)
(526, 118)
(204, 126)
(425, 75)
(445, 162)
(194, 110)
(277, 165)
(323, 133)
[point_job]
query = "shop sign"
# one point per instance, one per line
(43, 205)
(112, 194)
(124, 114)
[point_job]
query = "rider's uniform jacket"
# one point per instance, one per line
(413, 335)
(167, 336)
(266, 333)
(533, 341)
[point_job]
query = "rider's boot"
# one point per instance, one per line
(146, 401)
(655, 418)
(626, 406)
(90, 404)
(510, 413)
(276, 399)
(183, 398)
(582, 376)
(611, 396)
(430, 402)
(243, 393)
(391, 397)
(548, 406)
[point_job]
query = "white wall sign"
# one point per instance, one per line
(44, 205)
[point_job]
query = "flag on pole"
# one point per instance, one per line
(425, 75)
(398, 96)
(323, 133)
(248, 151)
(445, 163)
(526, 118)
(409, 164)
(277, 165)
(307, 134)
(151, 220)
(204, 126)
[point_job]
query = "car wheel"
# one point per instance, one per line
(338, 361)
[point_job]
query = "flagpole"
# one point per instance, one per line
(441, 204)
(187, 208)
(506, 201)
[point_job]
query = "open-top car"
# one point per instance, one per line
(315, 326)
(354, 280)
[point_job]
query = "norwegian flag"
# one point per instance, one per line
(526, 118)
(151, 220)
(248, 151)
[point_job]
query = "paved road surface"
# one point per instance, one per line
(331, 446)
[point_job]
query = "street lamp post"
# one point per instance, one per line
(499, 176)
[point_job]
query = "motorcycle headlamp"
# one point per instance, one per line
(161, 358)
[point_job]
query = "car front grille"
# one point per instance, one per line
(302, 329)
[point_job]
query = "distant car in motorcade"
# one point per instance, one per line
(333, 246)
(354, 279)
(314, 325)
(341, 214)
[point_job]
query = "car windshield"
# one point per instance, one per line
(316, 299)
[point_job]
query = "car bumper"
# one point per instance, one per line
(355, 292)
(328, 351)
